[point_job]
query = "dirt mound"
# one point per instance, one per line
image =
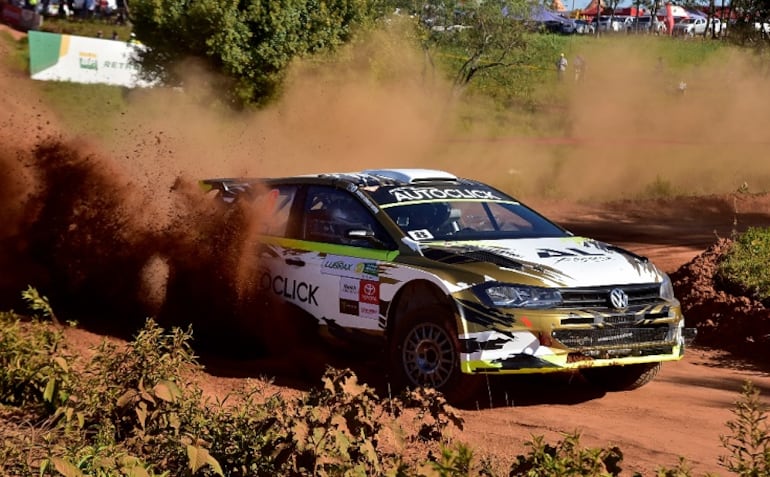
(725, 318)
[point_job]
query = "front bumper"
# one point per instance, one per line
(540, 341)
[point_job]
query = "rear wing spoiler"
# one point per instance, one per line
(229, 189)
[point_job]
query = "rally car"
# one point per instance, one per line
(456, 279)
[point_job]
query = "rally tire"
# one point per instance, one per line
(622, 378)
(425, 352)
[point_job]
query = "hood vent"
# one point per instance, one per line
(454, 257)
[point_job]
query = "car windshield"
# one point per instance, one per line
(455, 213)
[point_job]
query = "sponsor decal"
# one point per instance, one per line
(369, 292)
(405, 194)
(368, 311)
(120, 65)
(367, 201)
(421, 234)
(368, 269)
(617, 337)
(349, 267)
(567, 252)
(349, 307)
(349, 288)
(289, 288)
(88, 61)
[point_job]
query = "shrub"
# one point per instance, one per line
(137, 410)
(745, 265)
(749, 442)
(34, 367)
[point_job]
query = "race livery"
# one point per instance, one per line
(456, 279)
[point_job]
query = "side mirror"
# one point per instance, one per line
(368, 235)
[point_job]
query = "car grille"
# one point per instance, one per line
(598, 297)
(614, 338)
(617, 319)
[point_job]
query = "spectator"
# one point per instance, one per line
(115, 35)
(580, 67)
(561, 66)
(120, 5)
(99, 34)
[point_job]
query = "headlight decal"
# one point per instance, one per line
(508, 295)
(485, 316)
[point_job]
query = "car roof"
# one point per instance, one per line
(369, 178)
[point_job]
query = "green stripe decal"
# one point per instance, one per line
(43, 50)
(333, 249)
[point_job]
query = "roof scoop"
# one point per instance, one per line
(411, 176)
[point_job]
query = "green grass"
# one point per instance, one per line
(91, 109)
(746, 264)
(18, 59)
(83, 108)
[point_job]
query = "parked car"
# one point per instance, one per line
(577, 27)
(647, 24)
(606, 23)
(451, 279)
(697, 26)
(624, 22)
(582, 27)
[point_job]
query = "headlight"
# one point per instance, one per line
(519, 296)
(666, 288)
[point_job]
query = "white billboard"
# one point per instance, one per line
(79, 59)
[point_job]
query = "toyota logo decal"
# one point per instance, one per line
(618, 299)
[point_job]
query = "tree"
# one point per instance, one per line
(250, 42)
(485, 33)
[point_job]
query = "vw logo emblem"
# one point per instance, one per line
(618, 299)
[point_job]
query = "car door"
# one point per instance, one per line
(276, 265)
(338, 273)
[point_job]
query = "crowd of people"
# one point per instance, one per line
(77, 8)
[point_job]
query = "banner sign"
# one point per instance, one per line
(79, 59)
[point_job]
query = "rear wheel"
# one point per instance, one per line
(425, 351)
(622, 378)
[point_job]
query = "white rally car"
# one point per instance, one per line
(455, 279)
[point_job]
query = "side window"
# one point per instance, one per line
(274, 207)
(331, 213)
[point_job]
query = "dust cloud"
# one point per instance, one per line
(115, 221)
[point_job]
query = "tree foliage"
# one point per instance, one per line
(250, 42)
(486, 32)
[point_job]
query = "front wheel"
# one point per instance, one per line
(425, 351)
(622, 378)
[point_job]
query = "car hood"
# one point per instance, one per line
(555, 262)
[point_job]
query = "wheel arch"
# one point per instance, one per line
(417, 294)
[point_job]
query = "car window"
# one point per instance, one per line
(331, 213)
(470, 220)
(275, 207)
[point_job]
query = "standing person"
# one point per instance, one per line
(580, 67)
(561, 66)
